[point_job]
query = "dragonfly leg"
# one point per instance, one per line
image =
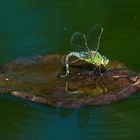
(74, 61)
(97, 70)
(100, 71)
(93, 70)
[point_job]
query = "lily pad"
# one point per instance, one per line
(39, 79)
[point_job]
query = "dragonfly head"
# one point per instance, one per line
(105, 61)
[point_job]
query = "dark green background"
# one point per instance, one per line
(31, 27)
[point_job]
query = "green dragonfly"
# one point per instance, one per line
(86, 48)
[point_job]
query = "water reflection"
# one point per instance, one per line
(82, 115)
(114, 121)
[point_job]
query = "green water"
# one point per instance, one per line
(31, 27)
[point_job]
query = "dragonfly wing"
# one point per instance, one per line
(78, 42)
(94, 36)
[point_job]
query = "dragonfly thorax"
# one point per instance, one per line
(94, 58)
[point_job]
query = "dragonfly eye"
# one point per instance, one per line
(105, 60)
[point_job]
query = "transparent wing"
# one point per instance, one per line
(78, 42)
(94, 36)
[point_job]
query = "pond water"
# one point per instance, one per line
(31, 27)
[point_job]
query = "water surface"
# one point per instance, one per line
(30, 27)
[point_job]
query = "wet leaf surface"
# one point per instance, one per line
(39, 79)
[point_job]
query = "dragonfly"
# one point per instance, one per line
(86, 48)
